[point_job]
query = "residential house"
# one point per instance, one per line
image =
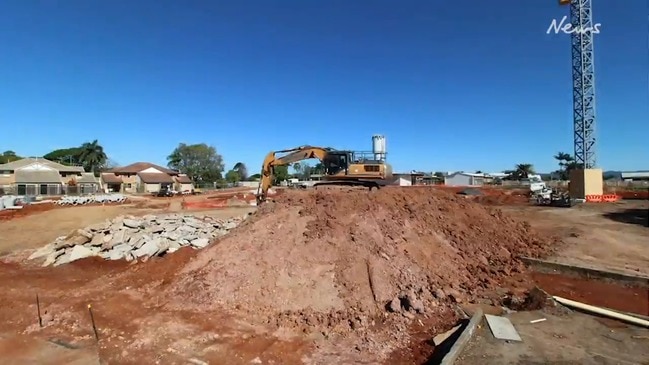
(464, 179)
(407, 178)
(635, 175)
(401, 180)
(38, 176)
(183, 183)
(144, 177)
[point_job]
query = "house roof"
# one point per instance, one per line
(155, 178)
(136, 167)
(32, 160)
(110, 178)
(37, 177)
(183, 179)
(497, 174)
(635, 174)
(465, 174)
(87, 178)
(411, 173)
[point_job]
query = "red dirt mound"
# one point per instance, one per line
(28, 209)
(333, 262)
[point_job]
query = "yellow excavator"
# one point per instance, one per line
(340, 167)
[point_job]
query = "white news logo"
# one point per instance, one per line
(568, 29)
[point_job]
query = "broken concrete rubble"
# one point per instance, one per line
(132, 238)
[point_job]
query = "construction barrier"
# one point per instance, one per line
(606, 198)
(205, 204)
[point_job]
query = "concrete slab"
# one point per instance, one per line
(502, 328)
(564, 338)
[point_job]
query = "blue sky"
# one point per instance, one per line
(470, 85)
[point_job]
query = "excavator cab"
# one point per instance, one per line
(336, 162)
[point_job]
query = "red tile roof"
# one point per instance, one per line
(134, 168)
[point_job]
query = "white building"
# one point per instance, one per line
(464, 179)
(635, 175)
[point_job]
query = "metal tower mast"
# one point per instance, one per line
(583, 81)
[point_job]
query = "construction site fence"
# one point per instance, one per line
(218, 186)
(50, 190)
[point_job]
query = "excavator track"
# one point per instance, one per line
(368, 184)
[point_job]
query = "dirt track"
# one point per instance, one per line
(291, 289)
(610, 236)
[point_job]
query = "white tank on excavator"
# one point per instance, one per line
(379, 147)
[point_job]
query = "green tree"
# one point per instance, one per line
(438, 174)
(522, 171)
(199, 161)
(281, 173)
(110, 164)
(254, 177)
(9, 156)
(241, 169)
(65, 156)
(564, 159)
(297, 168)
(307, 171)
(232, 176)
(566, 164)
(319, 168)
(92, 156)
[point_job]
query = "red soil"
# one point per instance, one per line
(322, 264)
(330, 260)
(598, 293)
(28, 209)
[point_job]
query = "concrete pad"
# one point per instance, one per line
(502, 328)
(564, 338)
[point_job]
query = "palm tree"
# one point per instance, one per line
(524, 170)
(566, 163)
(297, 167)
(92, 156)
(563, 158)
(241, 169)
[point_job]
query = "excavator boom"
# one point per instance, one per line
(341, 167)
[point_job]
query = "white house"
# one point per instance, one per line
(635, 175)
(464, 179)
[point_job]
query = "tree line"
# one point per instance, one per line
(523, 170)
(200, 162)
(204, 165)
(90, 155)
(565, 160)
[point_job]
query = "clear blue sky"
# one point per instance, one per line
(452, 85)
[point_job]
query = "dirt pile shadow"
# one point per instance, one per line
(637, 216)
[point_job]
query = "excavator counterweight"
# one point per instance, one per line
(341, 168)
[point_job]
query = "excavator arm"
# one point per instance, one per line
(290, 156)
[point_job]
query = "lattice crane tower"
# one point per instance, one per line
(583, 81)
(586, 182)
